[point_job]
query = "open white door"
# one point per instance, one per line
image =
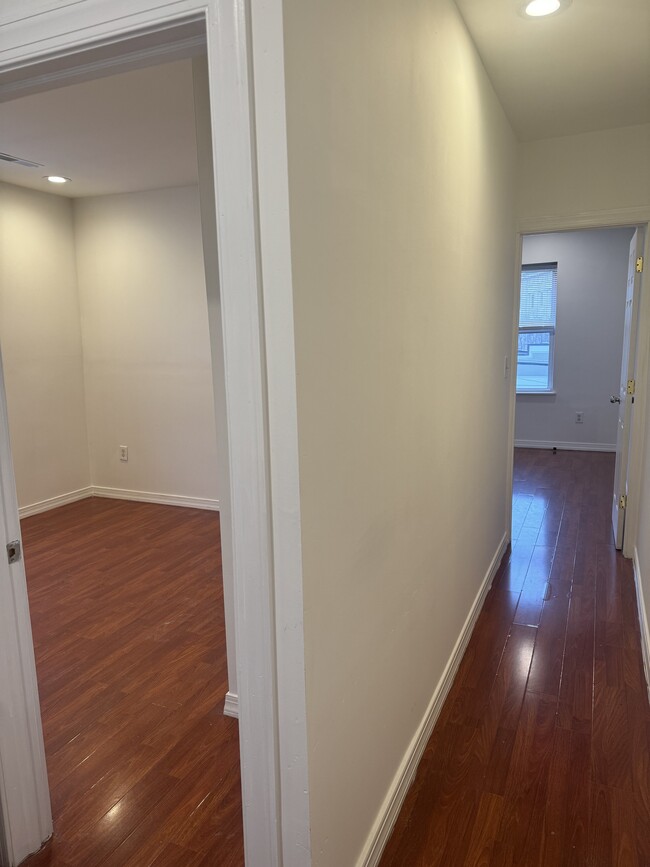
(625, 397)
(24, 796)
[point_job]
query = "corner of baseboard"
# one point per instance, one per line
(387, 816)
(118, 494)
(643, 617)
(55, 502)
(231, 705)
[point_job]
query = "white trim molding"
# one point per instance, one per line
(231, 705)
(152, 497)
(634, 216)
(643, 617)
(118, 494)
(564, 446)
(390, 809)
(147, 50)
(55, 502)
(267, 31)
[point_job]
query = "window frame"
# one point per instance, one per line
(539, 329)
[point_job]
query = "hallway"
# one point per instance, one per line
(541, 755)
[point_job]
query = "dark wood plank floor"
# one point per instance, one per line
(541, 755)
(127, 615)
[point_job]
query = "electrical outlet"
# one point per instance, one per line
(580, 417)
(124, 453)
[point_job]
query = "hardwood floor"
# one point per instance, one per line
(541, 755)
(127, 615)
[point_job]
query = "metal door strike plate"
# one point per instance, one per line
(13, 551)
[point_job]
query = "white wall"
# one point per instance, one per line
(40, 337)
(576, 174)
(146, 345)
(401, 168)
(104, 334)
(592, 277)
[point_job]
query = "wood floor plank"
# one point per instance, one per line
(130, 652)
(541, 756)
(513, 575)
(536, 586)
(576, 687)
(484, 831)
(565, 818)
(548, 659)
(527, 781)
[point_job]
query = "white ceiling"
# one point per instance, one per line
(127, 132)
(583, 69)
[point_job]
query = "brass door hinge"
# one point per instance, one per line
(639, 265)
(622, 503)
(631, 386)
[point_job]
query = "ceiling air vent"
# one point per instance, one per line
(8, 158)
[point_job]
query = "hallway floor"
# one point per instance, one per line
(127, 616)
(541, 755)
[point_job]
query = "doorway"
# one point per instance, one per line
(108, 376)
(570, 341)
(41, 47)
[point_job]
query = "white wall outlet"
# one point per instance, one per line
(580, 417)
(124, 453)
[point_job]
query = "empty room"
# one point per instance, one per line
(108, 371)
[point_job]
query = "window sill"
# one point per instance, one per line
(540, 392)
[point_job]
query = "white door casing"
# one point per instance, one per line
(37, 39)
(625, 395)
(215, 324)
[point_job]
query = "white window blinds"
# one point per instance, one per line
(538, 296)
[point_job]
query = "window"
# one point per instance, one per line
(537, 311)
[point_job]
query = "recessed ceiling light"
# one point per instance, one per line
(540, 8)
(57, 179)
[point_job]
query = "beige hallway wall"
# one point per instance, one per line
(575, 174)
(401, 170)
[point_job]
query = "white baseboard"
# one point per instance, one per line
(55, 502)
(150, 497)
(383, 825)
(231, 705)
(643, 618)
(117, 494)
(571, 447)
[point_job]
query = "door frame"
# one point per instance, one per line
(638, 217)
(45, 41)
